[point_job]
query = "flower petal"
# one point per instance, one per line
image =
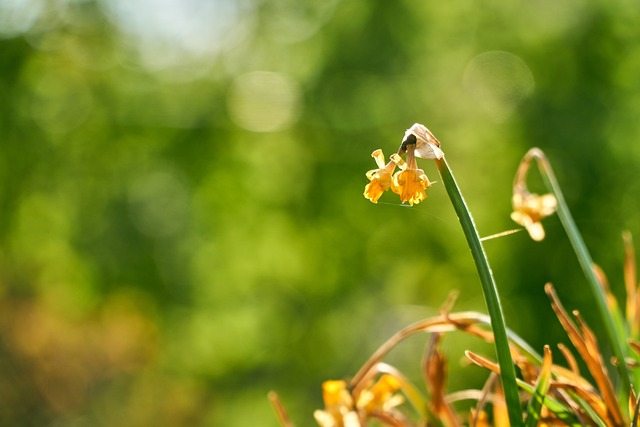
(373, 191)
(536, 231)
(529, 209)
(381, 179)
(410, 185)
(379, 158)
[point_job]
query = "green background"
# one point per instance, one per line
(182, 227)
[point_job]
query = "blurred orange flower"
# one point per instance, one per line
(338, 406)
(378, 400)
(529, 209)
(380, 397)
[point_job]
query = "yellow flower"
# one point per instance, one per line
(410, 183)
(380, 178)
(380, 397)
(338, 406)
(529, 209)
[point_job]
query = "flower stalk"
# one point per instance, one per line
(490, 291)
(584, 258)
(410, 184)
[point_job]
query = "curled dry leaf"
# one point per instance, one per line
(585, 342)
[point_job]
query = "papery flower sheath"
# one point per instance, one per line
(381, 178)
(427, 145)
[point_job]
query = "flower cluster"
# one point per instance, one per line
(410, 182)
(349, 409)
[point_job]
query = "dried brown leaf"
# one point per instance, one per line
(482, 362)
(433, 369)
(636, 408)
(599, 371)
(571, 360)
(485, 396)
(590, 397)
(585, 342)
(631, 283)
(281, 412)
(632, 400)
(435, 372)
(612, 302)
(390, 420)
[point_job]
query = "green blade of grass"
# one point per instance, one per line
(561, 411)
(544, 381)
(490, 292)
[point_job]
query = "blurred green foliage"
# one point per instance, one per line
(182, 226)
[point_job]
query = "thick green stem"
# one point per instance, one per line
(490, 291)
(584, 258)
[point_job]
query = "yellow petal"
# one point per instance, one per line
(351, 419)
(324, 419)
(536, 231)
(548, 204)
(529, 209)
(398, 161)
(379, 158)
(410, 186)
(381, 181)
(332, 392)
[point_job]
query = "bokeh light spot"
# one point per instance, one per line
(499, 82)
(168, 33)
(263, 101)
(158, 204)
(60, 102)
(291, 21)
(18, 16)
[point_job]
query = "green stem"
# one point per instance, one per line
(490, 291)
(584, 258)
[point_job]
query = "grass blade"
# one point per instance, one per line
(490, 292)
(537, 400)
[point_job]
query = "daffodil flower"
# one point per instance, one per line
(410, 182)
(338, 406)
(529, 209)
(381, 178)
(340, 411)
(381, 397)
